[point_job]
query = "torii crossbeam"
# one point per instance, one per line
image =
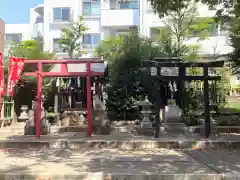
(87, 72)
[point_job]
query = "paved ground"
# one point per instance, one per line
(103, 164)
(99, 164)
(122, 165)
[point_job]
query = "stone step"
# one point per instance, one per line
(120, 129)
(112, 176)
(62, 129)
(119, 144)
(175, 128)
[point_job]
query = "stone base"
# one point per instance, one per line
(22, 119)
(101, 127)
(103, 130)
(174, 128)
(213, 127)
(145, 128)
(145, 131)
(31, 130)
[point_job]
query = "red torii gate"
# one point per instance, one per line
(88, 73)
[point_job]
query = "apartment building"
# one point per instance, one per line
(104, 18)
(2, 34)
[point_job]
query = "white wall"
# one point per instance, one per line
(150, 19)
(53, 29)
(212, 45)
(24, 29)
(49, 32)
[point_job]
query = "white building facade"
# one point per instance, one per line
(104, 18)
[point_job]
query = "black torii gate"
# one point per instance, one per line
(181, 78)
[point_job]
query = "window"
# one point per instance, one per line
(91, 40)
(56, 46)
(91, 7)
(10, 38)
(129, 5)
(61, 14)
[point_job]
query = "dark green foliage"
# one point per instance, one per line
(126, 78)
(234, 28)
(25, 90)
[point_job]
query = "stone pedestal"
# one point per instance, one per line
(172, 124)
(174, 128)
(30, 127)
(100, 123)
(145, 128)
(213, 127)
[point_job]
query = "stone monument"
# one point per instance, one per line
(100, 122)
(172, 119)
(70, 118)
(24, 114)
(145, 127)
(30, 127)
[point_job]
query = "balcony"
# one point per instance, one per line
(38, 27)
(39, 9)
(120, 17)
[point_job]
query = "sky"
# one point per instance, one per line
(17, 11)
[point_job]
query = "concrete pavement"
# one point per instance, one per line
(103, 164)
(119, 156)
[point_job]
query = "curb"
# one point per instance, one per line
(125, 145)
(119, 129)
(106, 176)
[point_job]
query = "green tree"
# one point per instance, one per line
(124, 69)
(111, 48)
(182, 24)
(71, 38)
(164, 7)
(30, 49)
(227, 13)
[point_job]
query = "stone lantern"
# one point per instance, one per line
(24, 114)
(145, 125)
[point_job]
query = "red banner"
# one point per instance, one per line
(1, 76)
(20, 65)
(14, 73)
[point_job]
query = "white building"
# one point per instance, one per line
(17, 32)
(104, 18)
